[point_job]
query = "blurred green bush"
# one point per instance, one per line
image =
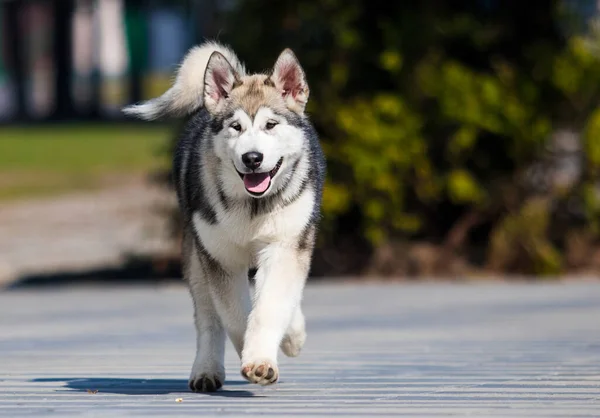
(443, 127)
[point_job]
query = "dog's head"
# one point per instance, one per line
(256, 119)
(255, 115)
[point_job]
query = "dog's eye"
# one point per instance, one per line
(270, 125)
(236, 126)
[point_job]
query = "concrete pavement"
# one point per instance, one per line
(83, 231)
(481, 350)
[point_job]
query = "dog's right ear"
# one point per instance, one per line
(220, 78)
(211, 64)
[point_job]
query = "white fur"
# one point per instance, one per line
(187, 93)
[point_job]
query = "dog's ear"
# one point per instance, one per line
(289, 78)
(219, 80)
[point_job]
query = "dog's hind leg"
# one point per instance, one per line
(208, 371)
(231, 297)
(295, 336)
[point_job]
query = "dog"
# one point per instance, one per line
(249, 174)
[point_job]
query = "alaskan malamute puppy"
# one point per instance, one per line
(249, 173)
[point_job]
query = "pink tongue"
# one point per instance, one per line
(257, 182)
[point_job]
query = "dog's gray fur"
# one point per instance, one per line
(234, 228)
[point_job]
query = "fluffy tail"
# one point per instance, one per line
(187, 93)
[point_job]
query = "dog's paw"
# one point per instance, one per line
(206, 379)
(262, 372)
(292, 343)
(205, 382)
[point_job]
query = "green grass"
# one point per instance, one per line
(46, 160)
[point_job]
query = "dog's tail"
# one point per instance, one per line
(187, 93)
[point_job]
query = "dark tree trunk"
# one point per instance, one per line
(15, 47)
(63, 13)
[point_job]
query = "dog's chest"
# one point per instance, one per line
(238, 232)
(244, 225)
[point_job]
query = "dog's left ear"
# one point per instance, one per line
(289, 78)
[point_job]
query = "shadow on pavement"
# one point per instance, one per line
(124, 386)
(136, 269)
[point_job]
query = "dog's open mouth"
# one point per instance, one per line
(258, 183)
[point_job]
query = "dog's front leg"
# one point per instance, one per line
(208, 372)
(280, 281)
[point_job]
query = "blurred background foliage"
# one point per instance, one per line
(447, 127)
(462, 138)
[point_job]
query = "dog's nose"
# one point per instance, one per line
(252, 160)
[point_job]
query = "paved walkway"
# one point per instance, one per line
(82, 231)
(475, 350)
